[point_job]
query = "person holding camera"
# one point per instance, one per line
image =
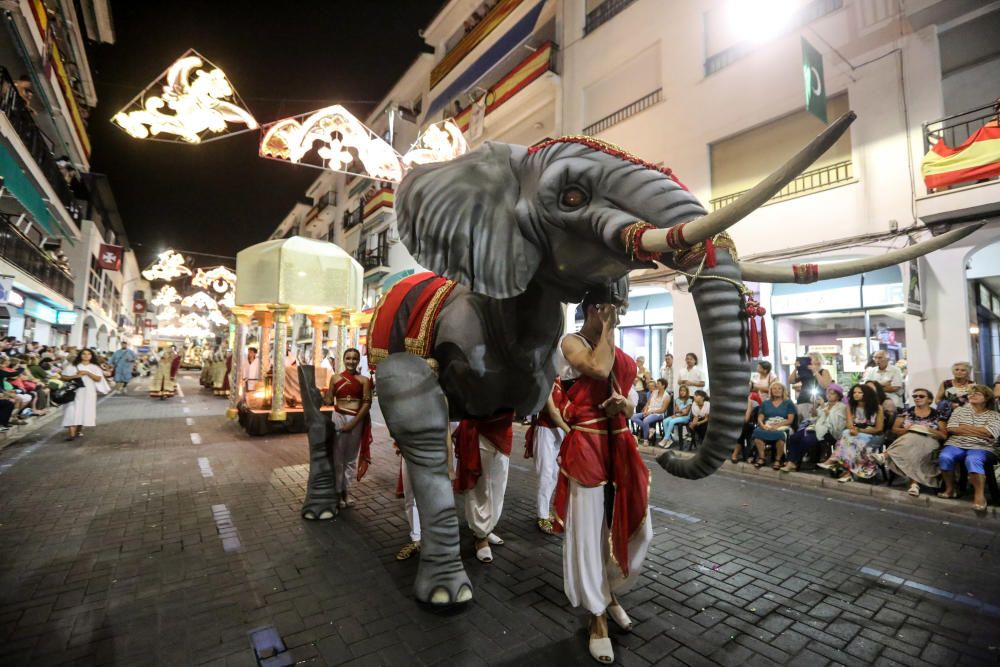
(809, 380)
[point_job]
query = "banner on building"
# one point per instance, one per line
(812, 74)
(139, 306)
(6, 285)
(914, 289)
(109, 257)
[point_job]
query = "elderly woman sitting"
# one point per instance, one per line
(954, 392)
(973, 431)
(774, 420)
(829, 422)
(920, 431)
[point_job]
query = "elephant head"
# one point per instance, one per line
(562, 215)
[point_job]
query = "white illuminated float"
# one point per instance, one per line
(195, 103)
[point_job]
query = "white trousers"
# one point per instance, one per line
(547, 441)
(590, 575)
(410, 503)
(484, 502)
(345, 453)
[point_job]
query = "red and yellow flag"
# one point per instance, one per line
(976, 159)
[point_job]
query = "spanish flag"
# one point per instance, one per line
(976, 159)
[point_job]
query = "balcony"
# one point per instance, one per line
(604, 13)
(319, 216)
(375, 261)
(472, 39)
(625, 112)
(807, 182)
(377, 205)
(353, 217)
(16, 249)
(38, 145)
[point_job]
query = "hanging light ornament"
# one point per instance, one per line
(166, 296)
(168, 266)
(217, 318)
(220, 279)
(200, 301)
(200, 99)
(166, 314)
(440, 142)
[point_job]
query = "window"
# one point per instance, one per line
(740, 162)
(608, 101)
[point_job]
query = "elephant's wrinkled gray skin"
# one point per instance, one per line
(523, 231)
(321, 494)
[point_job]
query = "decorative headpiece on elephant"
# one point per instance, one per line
(521, 231)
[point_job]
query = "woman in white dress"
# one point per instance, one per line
(82, 411)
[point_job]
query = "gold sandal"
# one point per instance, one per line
(408, 550)
(545, 525)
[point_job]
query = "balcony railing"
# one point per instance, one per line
(353, 217)
(39, 146)
(472, 38)
(31, 259)
(372, 258)
(383, 198)
(807, 181)
(957, 128)
(632, 109)
(604, 13)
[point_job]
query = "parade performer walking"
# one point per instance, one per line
(482, 447)
(351, 394)
(122, 361)
(163, 384)
(601, 470)
(82, 410)
(542, 442)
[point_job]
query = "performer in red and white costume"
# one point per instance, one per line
(542, 442)
(482, 450)
(600, 467)
(351, 394)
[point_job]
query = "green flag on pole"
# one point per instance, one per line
(812, 74)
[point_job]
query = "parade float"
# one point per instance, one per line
(277, 280)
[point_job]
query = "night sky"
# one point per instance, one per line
(283, 59)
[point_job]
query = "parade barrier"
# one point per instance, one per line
(275, 280)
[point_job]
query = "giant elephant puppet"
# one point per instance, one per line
(523, 230)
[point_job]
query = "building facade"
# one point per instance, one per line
(717, 93)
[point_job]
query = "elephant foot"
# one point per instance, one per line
(320, 510)
(443, 589)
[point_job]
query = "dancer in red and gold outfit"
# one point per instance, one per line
(351, 394)
(600, 469)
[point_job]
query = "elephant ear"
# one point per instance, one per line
(458, 219)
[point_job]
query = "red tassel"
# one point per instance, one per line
(763, 337)
(709, 254)
(754, 341)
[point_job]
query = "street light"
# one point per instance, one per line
(760, 20)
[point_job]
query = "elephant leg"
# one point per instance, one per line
(321, 493)
(416, 412)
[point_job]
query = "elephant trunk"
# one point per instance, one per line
(720, 314)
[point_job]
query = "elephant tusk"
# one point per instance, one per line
(809, 273)
(679, 237)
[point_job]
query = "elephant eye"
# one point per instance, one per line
(573, 198)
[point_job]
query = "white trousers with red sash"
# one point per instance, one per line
(484, 502)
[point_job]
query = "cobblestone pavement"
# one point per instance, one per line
(166, 535)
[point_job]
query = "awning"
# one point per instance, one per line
(19, 185)
(882, 288)
(395, 278)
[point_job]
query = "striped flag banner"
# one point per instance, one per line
(976, 159)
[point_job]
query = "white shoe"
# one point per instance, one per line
(485, 555)
(618, 615)
(914, 490)
(494, 539)
(600, 650)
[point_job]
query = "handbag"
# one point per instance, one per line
(66, 393)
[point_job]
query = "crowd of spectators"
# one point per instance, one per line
(871, 431)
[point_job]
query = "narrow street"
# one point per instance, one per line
(166, 535)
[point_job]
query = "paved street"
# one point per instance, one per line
(166, 535)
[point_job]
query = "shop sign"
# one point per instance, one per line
(15, 299)
(67, 317)
(914, 289)
(6, 287)
(838, 298)
(40, 311)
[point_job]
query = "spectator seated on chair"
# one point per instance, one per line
(973, 431)
(699, 417)
(681, 416)
(749, 424)
(774, 421)
(865, 433)
(654, 410)
(888, 407)
(919, 432)
(829, 422)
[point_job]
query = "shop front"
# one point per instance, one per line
(646, 330)
(845, 320)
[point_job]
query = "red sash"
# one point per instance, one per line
(349, 386)
(498, 430)
(174, 365)
(600, 449)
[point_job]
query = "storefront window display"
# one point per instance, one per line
(646, 330)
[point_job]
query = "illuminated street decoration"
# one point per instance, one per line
(166, 296)
(219, 279)
(200, 99)
(216, 317)
(200, 301)
(168, 266)
(228, 299)
(440, 142)
(179, 331)
(193, 320)
(167, 313)
(345, 140)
